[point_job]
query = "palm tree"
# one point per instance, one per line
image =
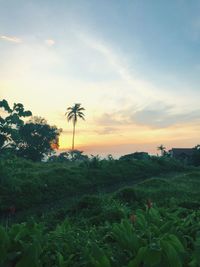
(73, 113)
(162, 149)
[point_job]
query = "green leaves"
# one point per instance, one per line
(171, 255)
(125, 235)
(139, 258)
(5, 106)
(62, 262)
(136, 244)
(195, 262)
(152, 257)
(149, 241)
(175, 242)
(4, 243)
(147, 255)
(10, 124)
(30, 256)
(22, 245)
(98, 257)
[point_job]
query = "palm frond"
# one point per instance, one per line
(75, 112)
(82, 117)
(70, 113)
(80, 113)
(81, 109)
(69, 118)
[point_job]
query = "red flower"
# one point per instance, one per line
(12, 210)
(149, 204)
(133, 218)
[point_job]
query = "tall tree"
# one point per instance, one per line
(161, 148)
(73, 113)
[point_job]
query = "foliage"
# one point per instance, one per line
(195, 160)
(32, 140)
(136, 155)
(150, 240)
(162, 149)
(127, 195)
(22, 245)
(72, 155)
(50, 182)
(76, 225)
(156, 237)
(37, 139)
(73, 114)
(10, 124)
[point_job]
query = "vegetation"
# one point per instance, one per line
(33, 140)
(80, 211)
(51, 181)
(73, 113)
(162, 149)
(10, 124)
(118, 228)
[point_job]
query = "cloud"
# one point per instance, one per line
(12, 39)
(78, 131)
(92, 131)
(121, 65)
(118, 63)
(107, 130)
(112, 118)
(50, 42)
(158, 115)
(163, 116)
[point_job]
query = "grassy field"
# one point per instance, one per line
(122, 214)
(181, 189)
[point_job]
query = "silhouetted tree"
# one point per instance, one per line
(110, 157)
(10, 122)
(77, 155)
(62, 157)
(37, 139)
(95, 161)
(73, 113)
(195, 160)
(135, 156)
(161, 148)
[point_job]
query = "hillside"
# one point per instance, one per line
(141, 213)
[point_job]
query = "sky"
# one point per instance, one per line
(133, 65)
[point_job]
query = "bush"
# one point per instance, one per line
(50, 182)
(87, 206)
(127, 195)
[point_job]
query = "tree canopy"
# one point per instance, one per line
(37, 139)
(10, 123)
(33, 139)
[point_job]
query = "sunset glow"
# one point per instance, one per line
(136, 73)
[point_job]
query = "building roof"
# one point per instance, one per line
(181, 151)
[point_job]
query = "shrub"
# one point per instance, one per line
(127, 195)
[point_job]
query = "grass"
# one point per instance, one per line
(82, 217)
(179, 188)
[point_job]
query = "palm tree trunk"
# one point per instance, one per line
(74, 124)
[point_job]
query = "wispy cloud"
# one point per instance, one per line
(112, 118)
(107, 130)
(164, 116)
(12, 39)
(121, 66)
(157, 116)
(50, 42)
